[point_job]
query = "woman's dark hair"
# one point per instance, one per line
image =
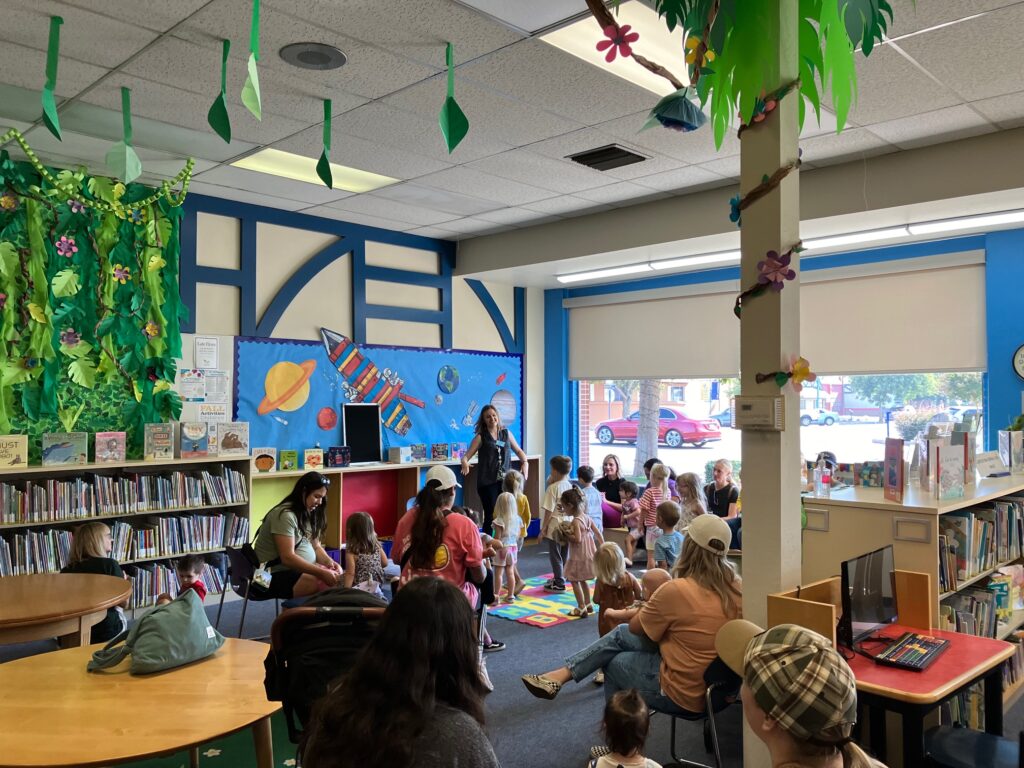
(424, 653)
(652, 461)
(428, 527)
(626, 722)
(312, 524)
(481, 425)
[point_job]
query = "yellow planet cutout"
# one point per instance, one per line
(286, 387)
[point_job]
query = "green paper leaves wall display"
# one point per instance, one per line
(218, 117)
(454, 123)
(251, 90)
(122, 159)
(52, 57)
(323, 165)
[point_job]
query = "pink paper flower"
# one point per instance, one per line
(66, 246)
(70, 337)
(121, 273)
(774, 270)
(619, 39)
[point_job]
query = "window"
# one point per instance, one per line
(677, 394)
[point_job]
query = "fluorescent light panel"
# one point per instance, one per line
(301, 168)
(967, 222)
(892, 233)
(597, 274)
(693, 261)
(656, 43)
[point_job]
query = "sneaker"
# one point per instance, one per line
(541, 687)
(555, 587)
(484, 677)
(494, 646)
(600, 750)
(599, 680)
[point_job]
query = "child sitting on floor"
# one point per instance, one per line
(190, 573)
(365, 560)
(626, 723)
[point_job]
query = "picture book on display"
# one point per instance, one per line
(65, 448)
(950, 472)
(264, 459)
(233, 438)
(870, 474)
(158, 442)
(110, 446)
(313, 458)
(341, 456)
(893, 470)
(193, 439)
(287, 460)
(13, 451)
(439, 452)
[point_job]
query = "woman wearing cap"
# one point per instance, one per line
(429, 541)
(799, 695)
(288, 542)
(666, 646)
(493, 445)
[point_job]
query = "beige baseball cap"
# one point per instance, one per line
(445, 476)
(707, 528)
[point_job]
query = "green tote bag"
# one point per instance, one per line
(169, 636)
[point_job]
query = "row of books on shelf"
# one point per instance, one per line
(975, 540)
(48, 550)
(57, 500)
(151, 580)
(967, 709)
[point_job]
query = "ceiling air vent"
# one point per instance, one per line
(606, 158)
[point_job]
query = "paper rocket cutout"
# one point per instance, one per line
(218, 117)
(677, 112)
(52, 56)
(251, 90)
(121, 159)
(323, 165)
(454, 123)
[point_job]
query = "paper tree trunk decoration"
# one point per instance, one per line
(122, 160)
(218, 117)
(52, 56)
(454, 123)
(251, 90)
(323, 165)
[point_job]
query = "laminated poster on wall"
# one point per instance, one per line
(292, 392)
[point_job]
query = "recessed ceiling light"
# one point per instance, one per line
(302, 168)
(597, 274)
(892, 233)
(319, 56)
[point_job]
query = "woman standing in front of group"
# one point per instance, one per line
(493, 445)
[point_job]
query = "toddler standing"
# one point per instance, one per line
(628, 492)
(506, 530)
(365, 559)
(615, 588)
(585, 475)
(656, 492)
(558, 483)
(579, 568)
(513, 483)
(670, 542)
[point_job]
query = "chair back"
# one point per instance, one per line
(723, 684)
(240, 570)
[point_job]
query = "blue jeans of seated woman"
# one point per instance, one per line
(628, 661)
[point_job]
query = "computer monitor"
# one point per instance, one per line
(868, 596)
(361, 432)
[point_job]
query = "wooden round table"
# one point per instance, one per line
(64, 605)
(57, 714)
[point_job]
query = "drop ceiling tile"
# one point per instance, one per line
(85, 36)
(911, 16)
(244, 196)
(471, 225)
(435, 232)
(371, 70)
(979, 58)
(359, 218)
(416, 29)
(264, 183)
(680, 179)
(933, 127)
(436, 199)
(25, 67)
(853, 143)
(158, 15)
(566, 204)
(549, 78)
(652, 165)
(890, 87)
(724, 167)
(1005, 111)
(390, 209)
(545, 172)
(92, 151)
(499, 118)
(509, 216)
(471, 182)
(616, 193)
(367, 155)
(693, 147)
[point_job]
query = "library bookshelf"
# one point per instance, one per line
(157, 510)
(858, 520)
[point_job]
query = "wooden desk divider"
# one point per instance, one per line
(817, 606)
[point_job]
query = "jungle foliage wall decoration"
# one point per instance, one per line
(90, 309)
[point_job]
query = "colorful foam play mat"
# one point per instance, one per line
(539, 608)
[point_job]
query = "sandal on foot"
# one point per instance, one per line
(599, 677)
(541, 687)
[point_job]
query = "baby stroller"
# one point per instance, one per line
(311, 646)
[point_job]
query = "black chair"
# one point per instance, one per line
(240, 573)
(954, 747)
(723, 688)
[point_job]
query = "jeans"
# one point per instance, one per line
(628, 661)
(488, 498)
(735, 525)
(556, 557)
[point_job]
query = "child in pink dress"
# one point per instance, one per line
(579, 568)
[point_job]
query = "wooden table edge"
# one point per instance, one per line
(103, 605)
(935, 696)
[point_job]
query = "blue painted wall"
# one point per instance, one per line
(1004, 321)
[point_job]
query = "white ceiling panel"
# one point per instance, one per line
(436, 199)
(468, 181)
(890, 87)
(832, 148)
(244, 196)
(1005, 111)
(158, 15)
(680, 179)
(26, 68)
(390, 209)
(727, 167)
(618, 192)
(510, 216)
(565, 205)
(360, 218)
(90, 149)
(241, 178)
(539, 171)
(472, 225)
(913, 15)
(435, 232)
(947, 124)
(653, 164)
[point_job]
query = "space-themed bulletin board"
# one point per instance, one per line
(291, 392)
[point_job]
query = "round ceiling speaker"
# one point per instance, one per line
(313, 56)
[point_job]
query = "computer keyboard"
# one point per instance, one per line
(912, 651)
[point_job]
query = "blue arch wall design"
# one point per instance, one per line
(1004, 324)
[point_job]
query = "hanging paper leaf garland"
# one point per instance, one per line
(218, 117)
(323, 165)
(251, 90)
(799, 372)
(122, 159)
(454, 123)
(50, 117)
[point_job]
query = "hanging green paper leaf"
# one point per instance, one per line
(122, 159)
(65, 283)
(251, 90)
(83, 372)
(52, 56)
(218, 117)
(454, 123)
(323, 165)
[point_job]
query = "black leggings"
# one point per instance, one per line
(488, 498)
